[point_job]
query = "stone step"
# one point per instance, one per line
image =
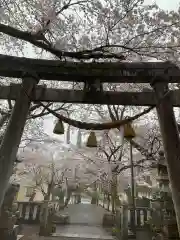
(73, 236)
(20, 237)
(16, 229)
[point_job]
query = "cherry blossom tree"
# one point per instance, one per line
(110, 28)
(86, 31)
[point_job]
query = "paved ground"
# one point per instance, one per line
(143, 235)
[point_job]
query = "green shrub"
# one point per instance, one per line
(115, 231)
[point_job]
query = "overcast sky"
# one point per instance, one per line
(166, 4)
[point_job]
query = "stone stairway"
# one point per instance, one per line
(80, 237)
(84, 232)
(85, 224)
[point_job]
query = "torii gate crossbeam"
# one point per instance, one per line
(111, 72)
(41, 93)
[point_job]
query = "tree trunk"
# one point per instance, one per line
(108, 201)
(31, 199)
(114, 192)
(13, 133)
(171, 143)
(104, 196)
(49, 191)
(66, 202)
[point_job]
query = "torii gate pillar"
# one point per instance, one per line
(171, 142)
(11, 140)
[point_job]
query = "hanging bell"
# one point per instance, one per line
(129, 131)
(59, 128)
(92, 141)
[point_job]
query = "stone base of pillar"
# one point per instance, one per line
(5, 234)
(170, 230)
(47, 231)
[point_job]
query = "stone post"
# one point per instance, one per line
(11, 140)
(124, 222)
(171, 141)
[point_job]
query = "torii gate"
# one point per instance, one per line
(158, 74)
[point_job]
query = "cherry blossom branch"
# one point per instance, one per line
(96, 53)
(38, 41)
(152, 31)
(65, 7)
(143, 150)
(44, 112)
(138, 147)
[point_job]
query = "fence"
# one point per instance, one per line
(30, 211)
(141, 215)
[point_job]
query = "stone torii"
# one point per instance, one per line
(158, 74)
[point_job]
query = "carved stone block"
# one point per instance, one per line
(108, 220)
(61, 218)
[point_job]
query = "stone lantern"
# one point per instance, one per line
(165, 203)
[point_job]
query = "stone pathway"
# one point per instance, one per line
(77, 232)
(85, 224)
(85, 214)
